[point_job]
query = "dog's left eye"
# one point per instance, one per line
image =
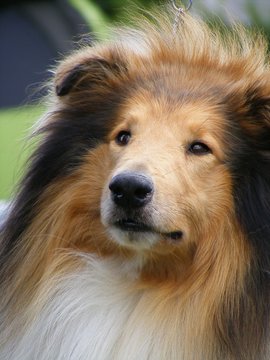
(123, 137)
(199, 148)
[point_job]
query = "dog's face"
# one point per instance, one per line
(161, 174)
(168, 183)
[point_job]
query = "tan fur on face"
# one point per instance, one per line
(159, 146)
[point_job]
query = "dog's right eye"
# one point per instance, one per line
(199, 148)
(123, 138)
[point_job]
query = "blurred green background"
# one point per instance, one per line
(85, 16)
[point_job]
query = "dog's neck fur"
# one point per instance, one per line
(98, 312)
(104, 309)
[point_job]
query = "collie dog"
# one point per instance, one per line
(141, 229)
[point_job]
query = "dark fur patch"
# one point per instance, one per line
(64, 87)
(248, 142)
(66, 140)
(91, 73)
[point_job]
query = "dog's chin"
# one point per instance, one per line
(141, 236)
(143, 240)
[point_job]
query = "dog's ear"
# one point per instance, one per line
(258, 99)
(250, 108)
(258, 105)
(80, 73)
(259, 115)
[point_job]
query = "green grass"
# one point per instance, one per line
(15, 127)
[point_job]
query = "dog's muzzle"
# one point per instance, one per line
(128, 215)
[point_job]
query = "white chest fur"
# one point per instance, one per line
(98, 313)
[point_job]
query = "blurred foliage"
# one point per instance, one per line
(15, 147)
(116, 8)
(250, 12)
(92, 14)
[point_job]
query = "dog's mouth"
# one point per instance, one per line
(131, 225)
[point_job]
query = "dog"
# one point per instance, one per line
(141, 229)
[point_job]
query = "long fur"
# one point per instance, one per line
(75, 287)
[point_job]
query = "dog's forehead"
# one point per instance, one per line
(192, 115)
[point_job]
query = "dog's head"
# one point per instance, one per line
(179, 138)
(154, 144)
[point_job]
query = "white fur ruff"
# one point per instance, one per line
(98, 314)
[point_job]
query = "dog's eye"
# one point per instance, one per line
(199, 148)
(123, 137)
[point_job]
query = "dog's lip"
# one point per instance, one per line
(132, 225)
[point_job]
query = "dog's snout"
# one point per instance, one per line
(131, 190)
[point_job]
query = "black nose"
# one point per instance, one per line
(131, 190)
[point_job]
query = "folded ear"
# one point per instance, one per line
(258, 100)
(258, 116)
(83, 72)
(250, 107)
